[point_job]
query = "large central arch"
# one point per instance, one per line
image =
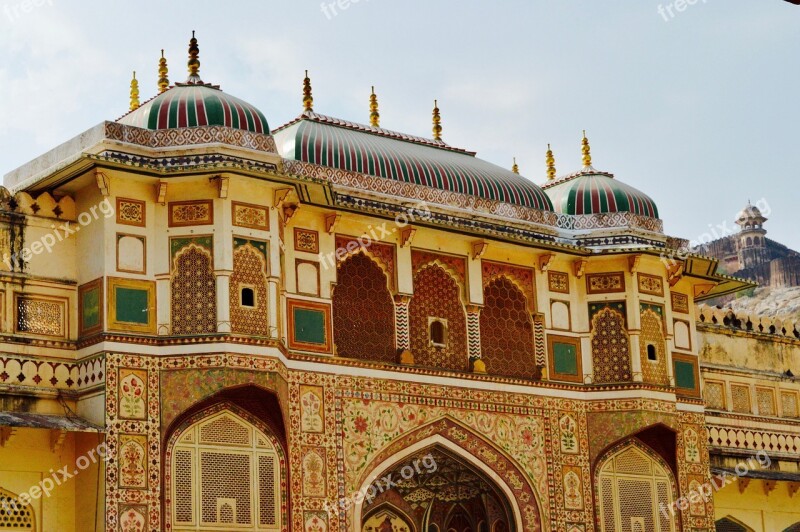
(518, 504)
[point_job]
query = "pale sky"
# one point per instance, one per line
(699, 109)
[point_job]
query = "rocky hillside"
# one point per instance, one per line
(783, 302)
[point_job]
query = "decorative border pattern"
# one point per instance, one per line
(194, 212)
(605, 283)
(558, 282)
(650, 284)
(131, 212)
(306, 240)
(250, 216)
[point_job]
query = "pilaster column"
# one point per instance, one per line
(163, 302)
(223, 300)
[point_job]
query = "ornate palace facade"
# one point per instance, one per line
(332, 326)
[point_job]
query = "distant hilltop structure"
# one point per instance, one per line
(751, 255)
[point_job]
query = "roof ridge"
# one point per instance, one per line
(573, 175)
(388, 133)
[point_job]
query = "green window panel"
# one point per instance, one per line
(132, 305)
(309, 326)
(684, 375)
(565, 359)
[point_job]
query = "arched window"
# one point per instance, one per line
(749, 241)
(634, 487)
(225, 473)
(363, 311)
(507, 331)
(437, 296)
(611, 357)
(13, 514)
(248, 289)
(194, 292)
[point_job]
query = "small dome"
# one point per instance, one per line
(194, 105)
(750, 212)
(593, 192)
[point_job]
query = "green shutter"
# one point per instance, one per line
(565, 359)
(309, 326)
(132, 305)
(684, 375)
(90, 305)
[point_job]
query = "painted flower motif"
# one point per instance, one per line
(361, 424)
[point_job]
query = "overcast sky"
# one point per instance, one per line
(697, 108)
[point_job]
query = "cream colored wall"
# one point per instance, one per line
(772, 512)
(748, 350)
(26, 459)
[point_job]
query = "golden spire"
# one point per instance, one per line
(194, 62)
(134, 92)
(515, 167)
(551, 164)
(587, 151)
(308, 99)
(437, 122)
(163, 80)
(374, 115)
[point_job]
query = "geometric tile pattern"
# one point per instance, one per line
(610, 347)
(506, 331)
(250, 271)
(194, 292)
(437, 295)
(363, 311)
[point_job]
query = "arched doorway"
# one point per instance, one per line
(436, 488)
(225, 470)
(635, 490)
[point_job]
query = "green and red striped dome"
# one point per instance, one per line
(194, 105)
(593, 192)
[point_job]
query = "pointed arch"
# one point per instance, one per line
(225, 467)
(193, 302)
(611, 357)
(462, 442)
(438, 297)
(363, 311)
(249, 274)
(731, 524)
(633, 485)
(506, 329)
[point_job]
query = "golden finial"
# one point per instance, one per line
(587, 151)
(551, 164)
(194, 62)
(437, 121)
(163, 80)
(134, 92)
(515, 167)
(374, 115)
(308, 99)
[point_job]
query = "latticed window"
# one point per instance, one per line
(194, 292)
(13, 514)
(225, 475)
(633, 490)
(437, 295)
(363, 311)
(507, 331)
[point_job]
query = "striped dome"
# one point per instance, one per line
(196, 105)
(331, 142)
(593, 192)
